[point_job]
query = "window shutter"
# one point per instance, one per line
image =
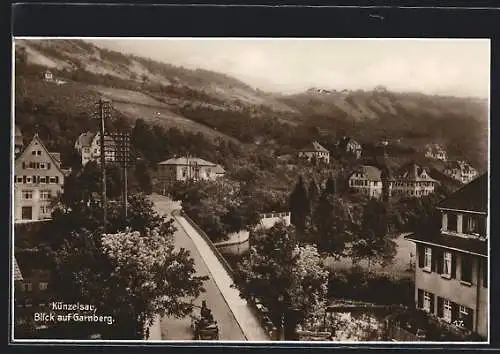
(468, 322)
(48, 166)
(434, 259)
(24, 165)
(453, 265)
(454, 312)
(420, 298)
(465, 226)
(440, 306)
(432, 303)
(421, 255)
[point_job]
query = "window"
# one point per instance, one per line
(427, 258)
(44, 209)
(19, 179)
(33, 153)
(42, 165)
(452, 222)
(446, 269)
(45, 195)
(28, 179)
(28, 303)
(39, 153)
(52, 180)
(27, 194)
(447, 310)
(471, 225)
(42, 179)
(464, 317)
(466, 265)
(28, 286)
(43, 285)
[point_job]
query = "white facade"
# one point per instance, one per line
(367, 181)
(461, 171)
(269, 219)
(89, 146)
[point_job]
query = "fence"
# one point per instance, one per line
(225, 264)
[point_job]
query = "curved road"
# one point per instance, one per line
(179, 329)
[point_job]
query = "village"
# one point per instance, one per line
(343, 239)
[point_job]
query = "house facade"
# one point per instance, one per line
(38, 178)
(18, 141)
(350, 146)
(88, 146)
(48, 76)
(412, 181)
(315, 150)
(187, 169)
(461, 171)
(436, 152)
(451, 277)
(367, 180)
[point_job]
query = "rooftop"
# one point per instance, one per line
(185, 161)
(469, 245)
(372, 173)
(471, 197)
(314, 147)
(85, 139)
(414, 172)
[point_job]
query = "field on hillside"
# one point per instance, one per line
(399, 267)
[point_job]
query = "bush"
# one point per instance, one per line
(356, 284)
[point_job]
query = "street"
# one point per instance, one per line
(179, 329)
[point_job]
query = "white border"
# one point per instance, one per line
(227, 343)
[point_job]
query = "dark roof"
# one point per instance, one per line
(314, 147)
(472, 197)
(413, 172)
(470, 245)
(17, 272)
(371, 173)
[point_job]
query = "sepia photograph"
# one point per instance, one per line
(250, 190)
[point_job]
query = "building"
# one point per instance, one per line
(461, 171)
(18, 276)
(268, 220)
(38, 178)
(315, 150)
(186, 169)
(451, 279)
(31, 295)
(48, 76)
(367, 180)
(350, 146)
(18, 141)
(88, 146)
(412, 181)
(436, 152)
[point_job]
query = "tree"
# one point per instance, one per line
(137, 264)
(291, 281)
(143, 177)
(373, 241)
(335, 222)
(299, 206)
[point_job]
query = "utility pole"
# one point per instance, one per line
(121, 149)
(104, 112)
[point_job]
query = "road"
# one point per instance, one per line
(179, 329)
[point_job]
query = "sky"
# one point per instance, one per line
(445, 67)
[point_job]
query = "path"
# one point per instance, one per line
(179, 329)
(249, 323)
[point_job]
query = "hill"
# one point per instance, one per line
(219, 106)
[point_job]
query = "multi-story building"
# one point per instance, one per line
(350, 146)
(461, 171)
(451, 279)
(48, 76)
(18, 141)
(436, 152)
(315, 150)
(187, 169)
(89, 146)
(367, 180)
(412, 181)
(38, 178)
